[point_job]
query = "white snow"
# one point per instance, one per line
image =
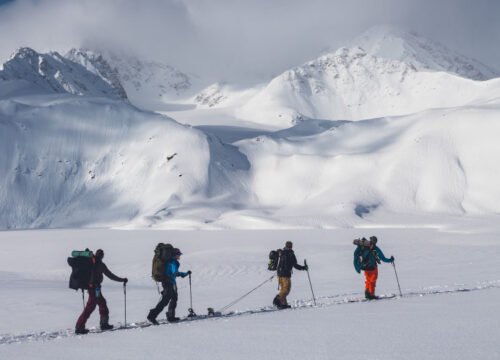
(445, 324)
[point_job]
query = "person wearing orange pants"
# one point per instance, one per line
(366, 257)
(371, 281)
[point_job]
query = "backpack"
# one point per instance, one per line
(361, 242)
(163, 253)
(274, 258)
(81, 269)
(364, 257)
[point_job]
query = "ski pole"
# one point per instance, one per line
(397, 279)
(190, 293)
(125, 301)
(310, 283)
(190, 310)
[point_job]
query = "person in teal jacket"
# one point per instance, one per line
(169, 293)
(366, 257)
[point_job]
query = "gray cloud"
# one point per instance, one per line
(241, 38)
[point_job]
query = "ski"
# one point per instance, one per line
(326, 301)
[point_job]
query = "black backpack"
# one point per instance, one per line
(81, 269)
(163, 253)
(274, 259)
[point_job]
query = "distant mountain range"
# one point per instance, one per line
(390, 124)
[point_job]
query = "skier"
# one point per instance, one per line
(366, 257)
(286, 262)
(95, 294)
(169, 293)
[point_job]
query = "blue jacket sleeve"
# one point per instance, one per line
(180, 273)
(381, 255)
(357, 264)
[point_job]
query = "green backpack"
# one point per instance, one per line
(163, 253)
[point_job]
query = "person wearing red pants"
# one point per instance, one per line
(366, 257)
(96, 298)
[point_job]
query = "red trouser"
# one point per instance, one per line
(371, 280)
(92, 302)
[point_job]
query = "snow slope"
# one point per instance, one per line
(384, 73)
(436, 161)
(73, 161)
(82, 161)
(446, 273)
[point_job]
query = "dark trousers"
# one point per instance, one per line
(92, 302)
(169, 297)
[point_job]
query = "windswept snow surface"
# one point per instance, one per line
(74, 161)
(447, 275)
(80, 161)
(436, 161)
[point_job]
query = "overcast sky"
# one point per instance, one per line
(231, 39)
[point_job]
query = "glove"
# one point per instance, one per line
(306, 267)
(189, 272)
(358, 271)
(125, 281)
(392, 259)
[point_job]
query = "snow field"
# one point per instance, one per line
(227, 264)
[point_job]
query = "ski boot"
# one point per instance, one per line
(283, 306)
(105, 323)
(81, 331)
(106, 326)
(171, 317)
(152, 319)
(370, 296)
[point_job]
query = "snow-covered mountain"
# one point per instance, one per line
(148, 84)
(78, 153)
(30, 71)
(421, 53)
(388, 73)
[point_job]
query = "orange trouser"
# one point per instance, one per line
(285, 284)
(371, 280)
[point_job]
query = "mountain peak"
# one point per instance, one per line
(425, 55)
(53, 73)
(23, 53)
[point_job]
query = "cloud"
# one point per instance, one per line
(240, 38)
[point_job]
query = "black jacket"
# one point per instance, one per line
(98, 270)
(287, 262)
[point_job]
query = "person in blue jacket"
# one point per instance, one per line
(169, 293)
(366, 257)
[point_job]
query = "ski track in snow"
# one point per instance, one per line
(325, 301)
